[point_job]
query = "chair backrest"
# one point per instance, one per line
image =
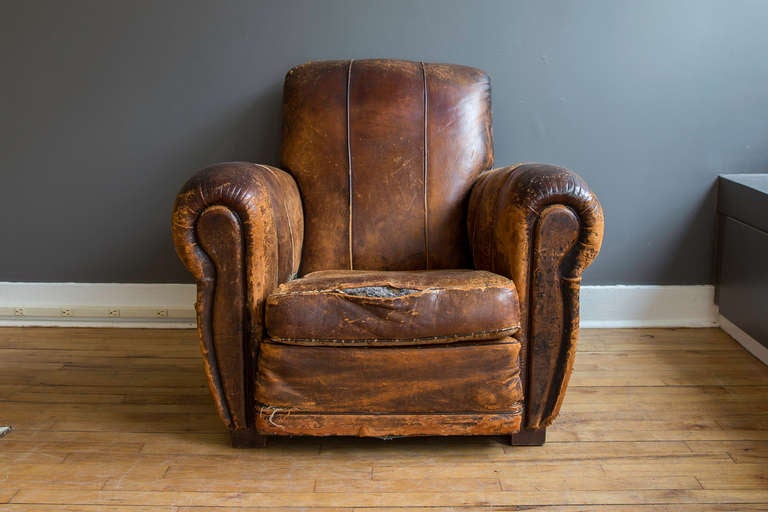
(384, 153)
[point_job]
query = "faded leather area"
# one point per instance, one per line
(466, 378)
(355, 307)
(385, 153)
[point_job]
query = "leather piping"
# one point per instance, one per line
(349, 164)
(426, 168)
(428, 340)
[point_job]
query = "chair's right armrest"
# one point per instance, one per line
(541, 226)
(238, 228)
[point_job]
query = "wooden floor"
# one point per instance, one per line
(104, 420)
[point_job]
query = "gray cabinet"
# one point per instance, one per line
(742, 277)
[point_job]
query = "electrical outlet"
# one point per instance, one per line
(113, 312)
(162, 313)
(66, 311)
(18, 311)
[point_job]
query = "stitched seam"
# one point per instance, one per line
(349, 165)
(454, 338)
(426, 167)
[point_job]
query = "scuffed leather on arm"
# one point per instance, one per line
(541, 226)
(238, 228)
(267, 203)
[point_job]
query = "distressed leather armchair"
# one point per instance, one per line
(385, 281)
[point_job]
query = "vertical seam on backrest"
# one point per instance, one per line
(426, 167)
(349, 165)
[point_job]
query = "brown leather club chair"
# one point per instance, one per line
(386, 282)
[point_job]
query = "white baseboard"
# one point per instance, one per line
(753, 346)
(97, 305)
(172, 305)
(648, 306)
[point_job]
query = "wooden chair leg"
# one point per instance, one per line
(528, 437)
(247, 439)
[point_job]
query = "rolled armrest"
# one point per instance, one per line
(541, 226)
(238, 228)
(267, 203)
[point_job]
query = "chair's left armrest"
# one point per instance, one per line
(541, 226)
(238, 228)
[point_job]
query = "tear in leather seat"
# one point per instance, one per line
(356, 307)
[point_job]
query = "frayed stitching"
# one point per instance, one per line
(270, 413)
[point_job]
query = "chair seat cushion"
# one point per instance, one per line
(359, 307)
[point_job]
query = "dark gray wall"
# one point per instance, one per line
(106, 107)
